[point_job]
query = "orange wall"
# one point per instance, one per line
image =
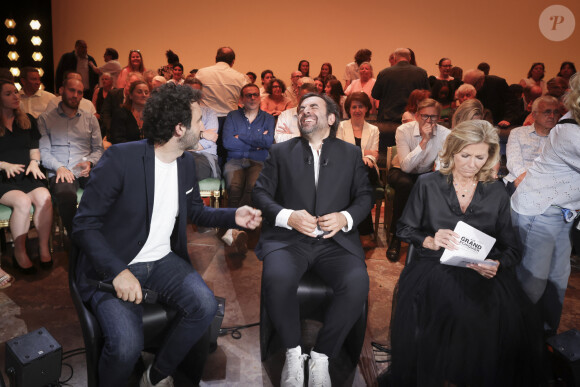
(277, 34)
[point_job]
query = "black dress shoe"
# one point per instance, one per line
(394, 250)
(46, 265)
(28, 271)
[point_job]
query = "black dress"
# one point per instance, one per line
(124, 127)
(15, 148)
(451, 324)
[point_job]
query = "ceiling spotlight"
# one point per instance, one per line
(9, 23)
(37, 56)
(40, 71)
(18, 86)
(41, 86)
(15, 71)
(35, 24)
(13, 55)
(36, 40)
(11, 39)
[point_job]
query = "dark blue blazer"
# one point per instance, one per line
(114, 216)
(287, 181)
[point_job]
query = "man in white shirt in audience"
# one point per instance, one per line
(111, 66)
(287, 124)
(526, 142)
(33, 100)
(292, 92)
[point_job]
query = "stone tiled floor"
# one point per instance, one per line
(43, 300)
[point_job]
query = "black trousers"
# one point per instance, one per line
(343, 271)
(403, 183)
(65, 196)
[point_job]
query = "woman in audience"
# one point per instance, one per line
(304, 68)
(127, 124)
(366, 136)
(443, 87)
(333, 89)
(319, 83)
(471, 109)
(101, 92)
(22, 183)
(567, 69)
(472, 325)
(177, 74)
(535, 77)
(325, 71)
(135, 65)
(364, 83)
(274, 102)
(415, 97)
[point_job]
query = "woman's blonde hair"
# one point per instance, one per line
(572, 98)
(469, 133)
(466, 111)
(19, 116)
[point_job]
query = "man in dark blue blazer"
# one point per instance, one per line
(131, 229)
(313, 191)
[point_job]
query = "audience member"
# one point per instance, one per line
(251, 76)
(471, 109)
(418, 145)
(465, 92)
(311, 213)
(22, 183)
(177, 74)
(543, 209)
(526, 142)
(567, 69)
(415, 97)
(114, 101)
(275, 102)
(135, 65)
(85, 104)
(392, 89)
(444, 85)
(148, 76)
(304, 67)
(494, 94)
(287, 124)
(365, 83)
(366, 137)
(320, 85)
(293, 90)
(131, 230)
(78, 61)
(205, 154)
(266, 77)
(351, 72)
(457, 73)
(70, 145)
(247, 135)
(325, 71)
(333, 89)
(535, 77)
(101, 92)
(485, 67)
(111, 66)
(33, 100)
(127, 122)
(157, 82)
(470, 325)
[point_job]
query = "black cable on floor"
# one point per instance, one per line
(235, 331)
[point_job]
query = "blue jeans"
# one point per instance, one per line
(241, 175)
(545, 266)
(180, 287)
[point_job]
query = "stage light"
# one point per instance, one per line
(41, 86)
(13, 55)
(37, 56)
(15, 71)
(36, 40)
(35, 24)
(11, 39)
(9, 23)
(18, 86)
(40, 71)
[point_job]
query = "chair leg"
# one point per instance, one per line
(378, 206)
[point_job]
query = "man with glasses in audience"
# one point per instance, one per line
(526, 142)
(418, 144)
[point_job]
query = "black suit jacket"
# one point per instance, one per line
(287, 181)
(110, 105)
(496, 96)
(114, 216)
(68, 62)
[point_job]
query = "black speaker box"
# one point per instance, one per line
(566, 360)
(33, 359)
(216, 324)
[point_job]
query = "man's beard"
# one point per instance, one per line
(70, 105)
(189, 141)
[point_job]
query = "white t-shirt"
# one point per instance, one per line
(165, 211)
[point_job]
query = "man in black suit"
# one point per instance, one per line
(131, 229)
(313, 192)
(78, 61)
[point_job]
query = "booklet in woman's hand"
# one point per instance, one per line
(473, 247)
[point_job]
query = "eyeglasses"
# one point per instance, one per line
(426, 117)
(276, 87)
(549, 112)
(446, 66)
(252, 95)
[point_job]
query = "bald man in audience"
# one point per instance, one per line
(293, 90)
(84, 104)
(392, 89)
(33, 100)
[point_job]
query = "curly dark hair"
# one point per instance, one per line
(168, 106)
(331, 108)
(279, 82)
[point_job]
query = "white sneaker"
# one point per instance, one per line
(293, 371)
(318, 370)
(146, 382)
(228, 237)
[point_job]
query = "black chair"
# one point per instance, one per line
(314, 296)
(156, 321)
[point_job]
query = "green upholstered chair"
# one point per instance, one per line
(212, 188)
